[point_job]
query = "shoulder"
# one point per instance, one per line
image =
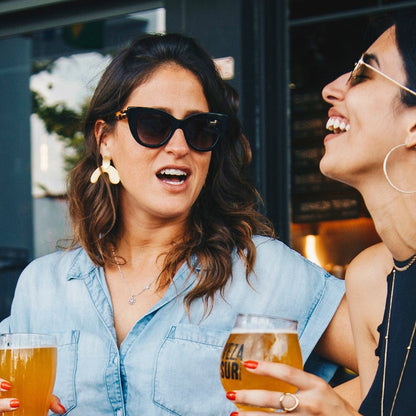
(280, 269)
(366, 287)
(369, 268)
(265, 246)
(56, 265)
(275, 254)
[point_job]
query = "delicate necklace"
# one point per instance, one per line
(133, 296)
(399, 269)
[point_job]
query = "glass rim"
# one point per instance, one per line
(27, 340)
(271, 317)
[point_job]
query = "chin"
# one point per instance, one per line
(332, 170)
(325, 167)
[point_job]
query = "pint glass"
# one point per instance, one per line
(28, 362)
(259, 338)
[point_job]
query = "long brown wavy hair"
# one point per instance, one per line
(225, 215)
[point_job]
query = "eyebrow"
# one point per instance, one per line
(373, 58)
(368, 58)
(187, 114)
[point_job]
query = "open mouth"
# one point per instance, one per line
(172, 176)
(337, 125)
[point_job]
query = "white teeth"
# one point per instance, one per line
(172, 172)
(329, 124)
(172, 176)
(174, 182)
(335, 125)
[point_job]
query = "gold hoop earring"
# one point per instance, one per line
(110, 170)
(403, 191)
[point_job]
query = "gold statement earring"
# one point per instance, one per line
(403, 191)
(110, 170)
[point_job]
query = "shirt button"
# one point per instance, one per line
(119, 412)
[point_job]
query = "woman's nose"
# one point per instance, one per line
(335, 90)
(177, 143)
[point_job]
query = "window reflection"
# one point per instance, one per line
(67, 63)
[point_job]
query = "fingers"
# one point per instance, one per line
(257, 398)
(5, 385)
(56, 406)
(284, 372)
(314, 395)
(8, 405)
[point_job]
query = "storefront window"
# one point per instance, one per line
(330, 223)
(67, 63)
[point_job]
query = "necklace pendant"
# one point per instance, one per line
(132, 300)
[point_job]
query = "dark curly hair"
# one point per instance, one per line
(404, 21)
(225, 215)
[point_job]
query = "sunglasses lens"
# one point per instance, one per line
(357, 74)
(153, 128)
(202, 131)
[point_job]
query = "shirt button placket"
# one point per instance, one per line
(114, 385)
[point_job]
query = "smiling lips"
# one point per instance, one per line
(172, 176)
(337, 125)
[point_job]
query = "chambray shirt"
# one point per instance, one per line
(168, 364)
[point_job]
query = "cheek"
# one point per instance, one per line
(204, 168)
(132, 160)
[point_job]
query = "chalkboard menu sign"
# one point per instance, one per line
(314, 196)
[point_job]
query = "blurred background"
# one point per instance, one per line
(277, 53)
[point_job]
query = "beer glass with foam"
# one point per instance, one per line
(28, 362)
(259, 338)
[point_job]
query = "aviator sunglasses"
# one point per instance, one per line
(153, 128)
(358, 72)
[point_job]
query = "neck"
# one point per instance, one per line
(148, 242)
(394, 216)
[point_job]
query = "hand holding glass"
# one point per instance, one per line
(259, 338)
(28, 362)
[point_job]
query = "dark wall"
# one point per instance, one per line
(15, 160)
(261, 70)
(215, 25)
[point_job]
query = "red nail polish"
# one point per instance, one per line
(5, 385)
(231, 395)
(252, 365)
(234, 414)
(14, 403)
(62, 408)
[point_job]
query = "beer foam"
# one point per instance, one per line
(240, 330)
(24, 346)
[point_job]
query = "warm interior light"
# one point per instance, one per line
(310, 249)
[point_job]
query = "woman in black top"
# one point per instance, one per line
(371, 147)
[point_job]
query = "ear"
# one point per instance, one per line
(411, 134)
(102, 137)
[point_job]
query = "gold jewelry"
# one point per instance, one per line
(110, 170)
(408, 348)
(293, 398)
(405, 267)
(133, 296)
(403, 191)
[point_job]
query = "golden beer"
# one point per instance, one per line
(31, 371)
(243, 344)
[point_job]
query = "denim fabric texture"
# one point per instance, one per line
(168, 364)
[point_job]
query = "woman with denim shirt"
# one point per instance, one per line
(168, 247)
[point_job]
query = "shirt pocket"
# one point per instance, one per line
(66, 369)
(187, 379)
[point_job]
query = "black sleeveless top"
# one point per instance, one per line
(403, 316)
